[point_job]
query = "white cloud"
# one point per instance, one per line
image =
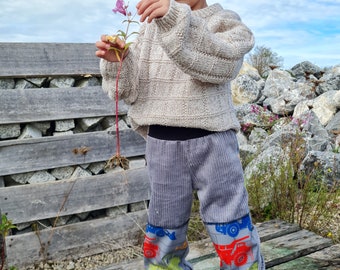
(295, 30)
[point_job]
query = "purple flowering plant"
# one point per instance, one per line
(121, 8)
(265, 118)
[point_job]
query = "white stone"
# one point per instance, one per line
(326, 105)
(41, 177)
(80, 172)
(64, 125)
(87, 123)
(63, 133)
(30, 132)
(22, 178)
(9, 131)
(138, 206)
(42, 126)
(96, 167)
(116, 211)
(62, 82)
(62, 172)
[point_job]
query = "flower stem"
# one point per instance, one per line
(117, 107)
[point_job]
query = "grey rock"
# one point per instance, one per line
(327, 165)
(97, 167)
(9, 131)
(62, 172)
(257, 136)
(7, 83)
(246, 90)
(278, 82)
(62, 82)
(326, 105)
(30, 132)
(41, 177)
(64, 125)
(80, 172)
(89, 123)
(85, 82)
(42, 126)
(305, 68)
(38, 82)
(334, 124)
(329, 81)
(24, 84)
(22, 178)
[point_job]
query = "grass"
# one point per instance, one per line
(280, 189)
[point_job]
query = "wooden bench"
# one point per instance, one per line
(36, 203)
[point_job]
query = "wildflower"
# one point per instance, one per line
(255, 109)
(120, 7)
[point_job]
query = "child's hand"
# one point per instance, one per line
(151, 9)
(105, 45)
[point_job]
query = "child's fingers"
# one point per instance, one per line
(114, 41)
(144, 4)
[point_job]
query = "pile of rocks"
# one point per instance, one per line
(304, 99)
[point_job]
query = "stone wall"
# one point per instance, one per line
(63, 127)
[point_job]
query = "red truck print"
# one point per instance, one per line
(236, 252)
(150, 250)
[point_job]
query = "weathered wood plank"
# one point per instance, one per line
(76, 240)
(292, 246)
(203, 256)
(45, 59)
(330, 255)
(328, 258)
(309, 263)
(18, 156)
(41, 201)
(47, 104)
(275, 228)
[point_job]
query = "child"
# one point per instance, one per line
(176, 76)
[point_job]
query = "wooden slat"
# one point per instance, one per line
(76, 240)
(289, 247)
(328, 258)
(47, 104)
(275, 228)
(41, 201)
(18, 156)
(45, 59)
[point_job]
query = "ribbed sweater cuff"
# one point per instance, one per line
(173, 16)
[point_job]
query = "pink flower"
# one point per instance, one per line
(120, 7)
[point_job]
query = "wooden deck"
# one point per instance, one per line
(284, 246)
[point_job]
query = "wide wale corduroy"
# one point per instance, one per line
(178, 71)
(208, 164)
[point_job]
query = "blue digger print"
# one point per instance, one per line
(232, 229)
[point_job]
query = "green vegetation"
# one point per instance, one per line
(5, 227)
(279, 189)
(264, 59)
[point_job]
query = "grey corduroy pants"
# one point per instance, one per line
(210, 165)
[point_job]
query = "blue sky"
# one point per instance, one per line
(296, 30)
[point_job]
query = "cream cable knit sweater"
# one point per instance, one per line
(178, 71)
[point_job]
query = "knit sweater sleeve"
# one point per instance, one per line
(127, 84)
(207, 44)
